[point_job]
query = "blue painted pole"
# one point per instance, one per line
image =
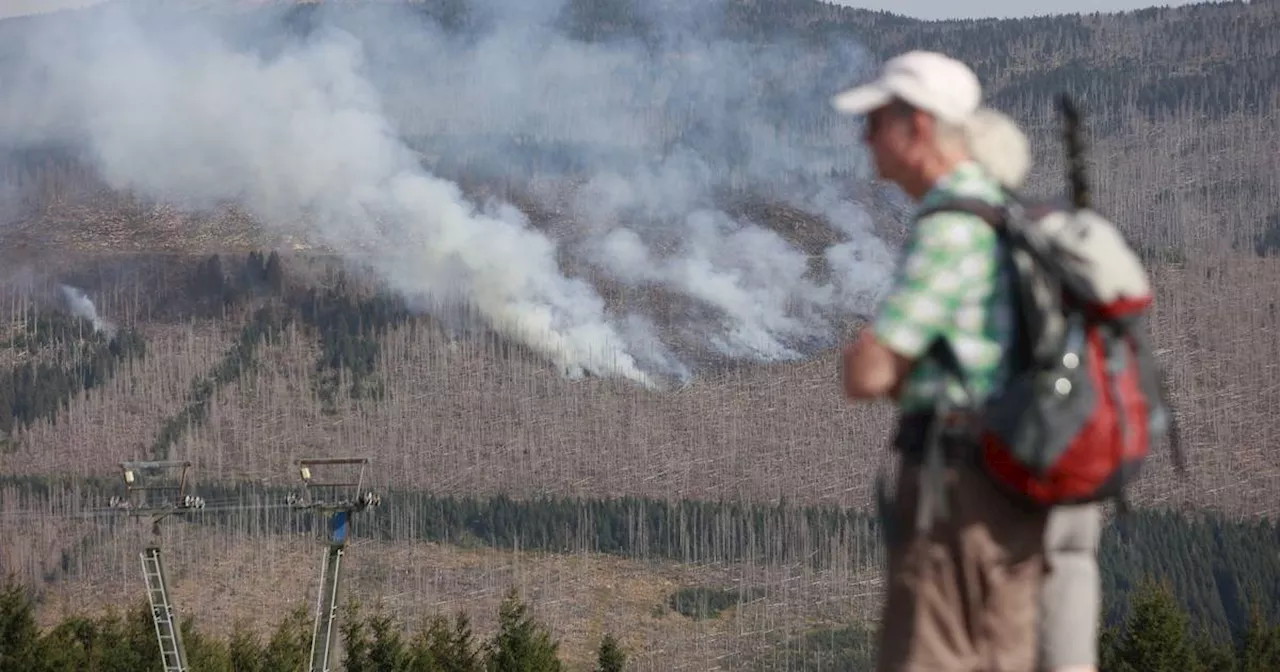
(338, 527)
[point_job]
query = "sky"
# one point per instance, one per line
(924, 9)
(19, 7)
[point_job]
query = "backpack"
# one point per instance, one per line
(1085, 399)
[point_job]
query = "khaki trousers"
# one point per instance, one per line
(965, 596)
(1071, 600)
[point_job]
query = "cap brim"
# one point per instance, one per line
(861, 99)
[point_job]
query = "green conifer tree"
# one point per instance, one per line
(204, 653)
(356, 644)
(611, 657)
(1157, 637)
(290, 645)
(521, 643)
(244, 648)
(1260, 650)
(19, 636)
(438, 648)
(387, 651)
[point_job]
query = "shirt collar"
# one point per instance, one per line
(967, 169)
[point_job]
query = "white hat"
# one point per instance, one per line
(927, 80)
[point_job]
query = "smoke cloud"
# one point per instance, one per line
(80, 305)
(338, 126)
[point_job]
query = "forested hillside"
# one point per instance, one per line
(282, 276)
(1214, 59)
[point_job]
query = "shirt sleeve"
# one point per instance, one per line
(947, 257)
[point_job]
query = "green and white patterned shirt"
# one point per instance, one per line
(949, 283)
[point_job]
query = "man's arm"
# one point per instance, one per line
(946, 255)
(870, 369)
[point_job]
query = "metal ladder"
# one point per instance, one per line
(167, 631)
(322, 640)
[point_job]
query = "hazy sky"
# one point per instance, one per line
(20, 7)
(925, 9)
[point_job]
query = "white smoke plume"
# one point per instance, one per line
(80, 305)
(322, 124)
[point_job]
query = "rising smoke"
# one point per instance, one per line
(80, 305)
(336, 129)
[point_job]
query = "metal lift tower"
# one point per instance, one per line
(337, 500)
(159, 501)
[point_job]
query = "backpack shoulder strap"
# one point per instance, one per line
(940, 350)
(990, 213)
(993, 214)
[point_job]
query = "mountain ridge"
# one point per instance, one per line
(253, 351)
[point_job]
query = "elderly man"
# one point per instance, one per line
(964, 584)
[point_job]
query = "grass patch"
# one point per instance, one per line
(700, 602)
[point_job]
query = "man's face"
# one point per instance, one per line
(893, 134)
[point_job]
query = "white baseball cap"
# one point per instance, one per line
(926, 80)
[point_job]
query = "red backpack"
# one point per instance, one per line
(1086, 400)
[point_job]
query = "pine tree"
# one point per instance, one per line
(1109, 641)
(137, 640)
(68, 646)
(1260, 650)
(355, 641)
(274, 272)
(387, 651)
(19, 635)
(611, 658)
(204, 653)
(114, 642)
(290, 645)
(521, 643)
(1157, 634)
(244, 649)
(1213, 655)
(437, 648)
(210, 279)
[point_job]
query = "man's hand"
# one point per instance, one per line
(869, 370)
